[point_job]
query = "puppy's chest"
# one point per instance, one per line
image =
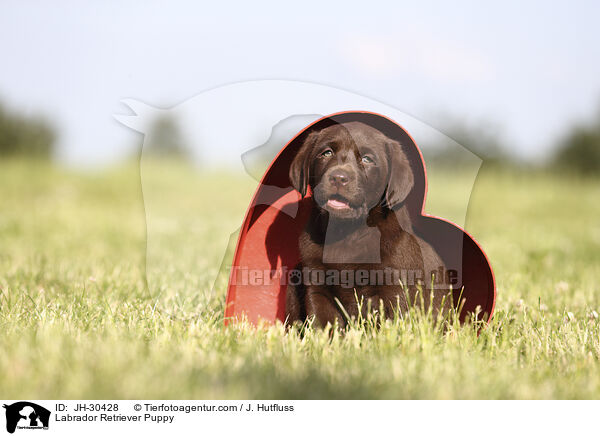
(346, 275)
(370, 249)
(362, 248)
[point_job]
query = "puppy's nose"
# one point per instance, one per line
(338, 178)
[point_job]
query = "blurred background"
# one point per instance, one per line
(513, 82)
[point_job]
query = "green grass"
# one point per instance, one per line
(77, 321)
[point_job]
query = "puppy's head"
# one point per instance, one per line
(352, 168)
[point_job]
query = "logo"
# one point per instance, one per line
(26, 415)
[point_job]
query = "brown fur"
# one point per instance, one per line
(371, 173)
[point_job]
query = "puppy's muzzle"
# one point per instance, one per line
(339, 178)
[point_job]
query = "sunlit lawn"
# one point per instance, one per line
(77, 320)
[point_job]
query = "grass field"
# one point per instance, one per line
(77, 321)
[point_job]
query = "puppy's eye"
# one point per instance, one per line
(326, 153)
(367, 159)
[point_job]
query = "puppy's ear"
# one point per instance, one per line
(400, 176)
(300, 168)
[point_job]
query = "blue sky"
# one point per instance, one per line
(531, 69)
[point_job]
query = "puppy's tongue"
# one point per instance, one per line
(337, 204)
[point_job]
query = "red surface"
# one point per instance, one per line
(268, 240)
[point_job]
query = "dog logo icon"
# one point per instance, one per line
(26, 415)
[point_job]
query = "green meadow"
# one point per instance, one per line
(77, 319)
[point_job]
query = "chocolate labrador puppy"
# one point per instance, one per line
(358, 251)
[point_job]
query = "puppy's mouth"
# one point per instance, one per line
(337, 202)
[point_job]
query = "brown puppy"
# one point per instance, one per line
(358, 245)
